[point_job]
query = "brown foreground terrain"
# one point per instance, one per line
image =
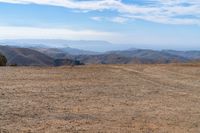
(100, 99)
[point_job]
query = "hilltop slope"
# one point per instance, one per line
(100, 98)
(30, 57)
(25, 56)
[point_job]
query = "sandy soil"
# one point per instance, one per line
(100, 99)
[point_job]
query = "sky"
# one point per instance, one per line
(158, 24)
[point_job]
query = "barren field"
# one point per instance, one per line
(100, 99)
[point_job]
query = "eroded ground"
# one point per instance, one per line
(100, 99)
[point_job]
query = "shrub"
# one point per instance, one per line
(3, 60)
(13, 65)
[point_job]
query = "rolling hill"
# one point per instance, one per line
(151, 56)
(30, 57)
(46, 56)
(193, 55)
(25, 56)
(130, 56)
(55, 53)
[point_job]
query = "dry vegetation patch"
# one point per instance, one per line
(100, 98)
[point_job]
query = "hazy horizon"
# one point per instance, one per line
(90, 45)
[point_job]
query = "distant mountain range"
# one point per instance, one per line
(44, 55)
(63, 52)
(87, 45)
(130, 56)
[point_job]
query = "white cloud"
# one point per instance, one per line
(120, 20)
(160, 11)
(11, 32)
(96, 18)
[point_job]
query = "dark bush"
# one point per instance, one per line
(13, 65)
(3, 60)
(62, 62)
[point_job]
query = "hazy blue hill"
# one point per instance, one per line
(47, 56)
(46, 51)
(186, 54)
(24, 56)
(63, 53)
(150, 55)
(74, 51)
(55, 53)
(30, 57)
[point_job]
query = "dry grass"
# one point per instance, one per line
(100, 99)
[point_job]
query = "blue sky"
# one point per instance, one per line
(161, 24)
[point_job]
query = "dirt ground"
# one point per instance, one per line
(100, 99)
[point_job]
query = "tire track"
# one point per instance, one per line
(154, 81)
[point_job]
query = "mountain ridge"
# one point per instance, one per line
(40, 56)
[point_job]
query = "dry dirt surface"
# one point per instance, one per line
(100, 99)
